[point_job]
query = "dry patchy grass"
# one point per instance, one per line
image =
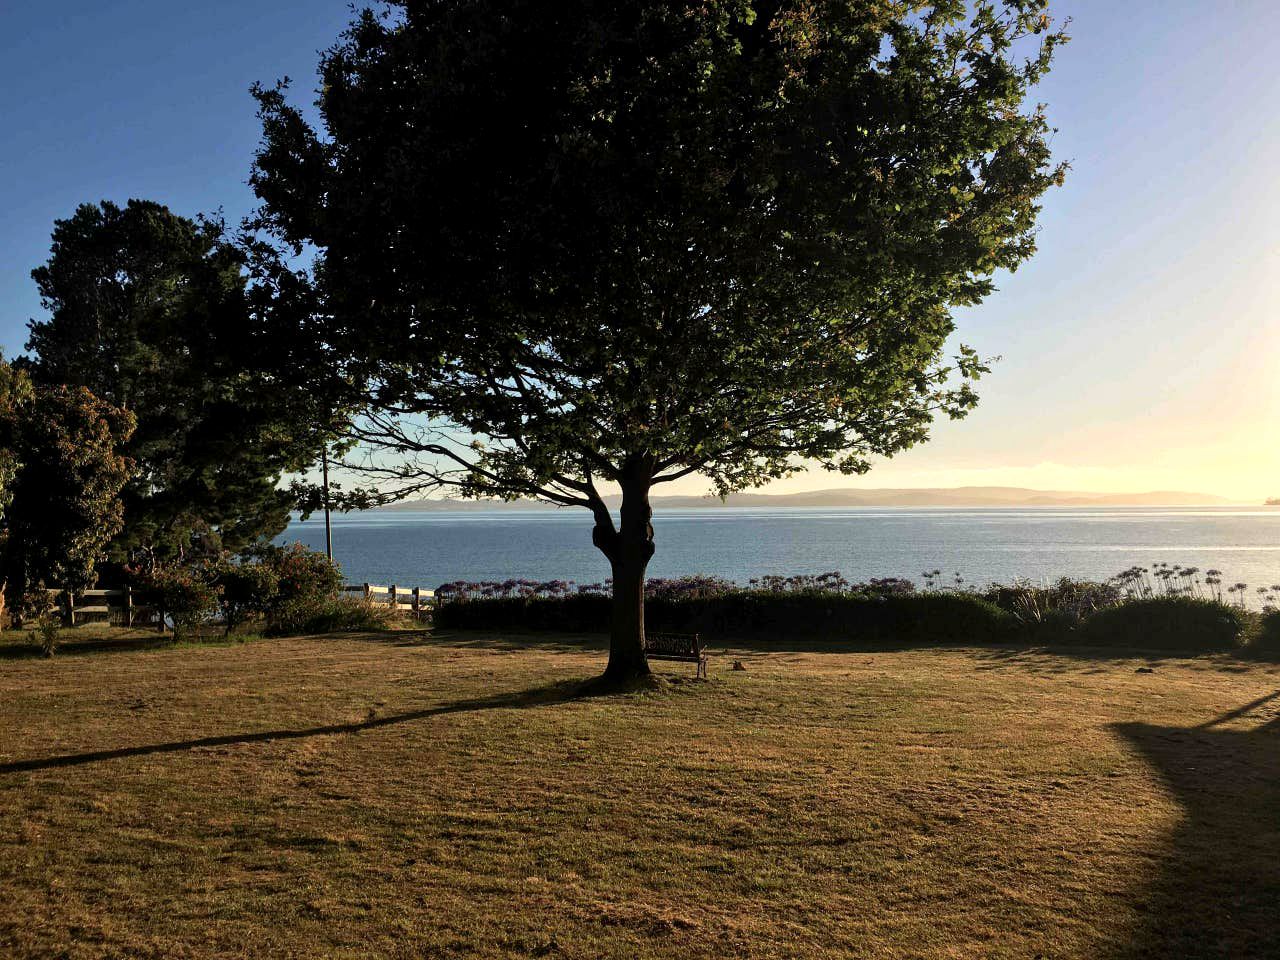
(418, 796)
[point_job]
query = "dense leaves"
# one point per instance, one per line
(281, 589)
(246, 591)
(153, 313)
(882, 614)
(596, 243)
(289, 588)
(61, 474)
(186, 593)
(764, 615)
(1186, 623)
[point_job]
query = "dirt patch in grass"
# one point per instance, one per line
(453, 796)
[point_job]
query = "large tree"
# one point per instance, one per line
(154, 312)
(591, 245)
(61, 474)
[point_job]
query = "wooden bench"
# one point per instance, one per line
(676, 646)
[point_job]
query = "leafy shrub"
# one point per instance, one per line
(48, 634)
(307, 586)
(952, 618)
(1174, 623)
(1266, 641)
(39, 606)
(1053, 612)
(761, 614)
(857, 617)
(187, 593)
(248, 590)
(301, 573)
(577, 613)
(1073, 600)
(332, 615)
(1171, 607)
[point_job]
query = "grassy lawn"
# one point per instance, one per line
(418, 796)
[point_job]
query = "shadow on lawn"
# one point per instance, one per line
(71, 647)
(1219, 892)
(534, 697)
(1063, 659)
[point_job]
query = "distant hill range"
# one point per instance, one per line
(906, 497)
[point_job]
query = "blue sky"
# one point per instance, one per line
(1141, 347)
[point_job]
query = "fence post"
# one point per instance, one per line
(367, 593)
(128, 606)
(69, 599)
(394, 609)
(417, 603)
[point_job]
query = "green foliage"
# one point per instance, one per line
(948, 618)
(1266, 639)
(331, 615)
(62, 474)
(247, 590)
(40, 607)
(187, 593)
(48, 634)
(1173, 623)
(307, 587)
(584, 243)
(1055, 611)
(701, 238)
(290, 589)
(152, 312)
(16, 394)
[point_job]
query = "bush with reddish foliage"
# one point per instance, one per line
(307, 587)
(187, 594)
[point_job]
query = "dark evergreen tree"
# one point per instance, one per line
(154, 312)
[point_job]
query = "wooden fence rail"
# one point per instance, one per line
(117, 606)
(416, 601)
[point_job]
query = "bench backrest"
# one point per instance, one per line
(677, 644)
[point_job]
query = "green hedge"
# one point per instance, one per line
(1266, 641)
(760, 615)
(1162, 623)
(1167, 623)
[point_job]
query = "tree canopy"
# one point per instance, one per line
(154, 313)
(61, 474)
(569, 247)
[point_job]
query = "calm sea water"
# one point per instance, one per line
(982, 545)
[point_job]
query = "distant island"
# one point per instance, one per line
(1272, 502)
(884, 497)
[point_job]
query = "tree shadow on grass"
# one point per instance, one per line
(72, 647)
(1218, 894)
(1063, 659)
(547, 695)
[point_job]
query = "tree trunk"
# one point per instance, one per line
(628, 548)
(627, 661)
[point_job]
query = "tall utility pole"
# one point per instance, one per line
(328, 530)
